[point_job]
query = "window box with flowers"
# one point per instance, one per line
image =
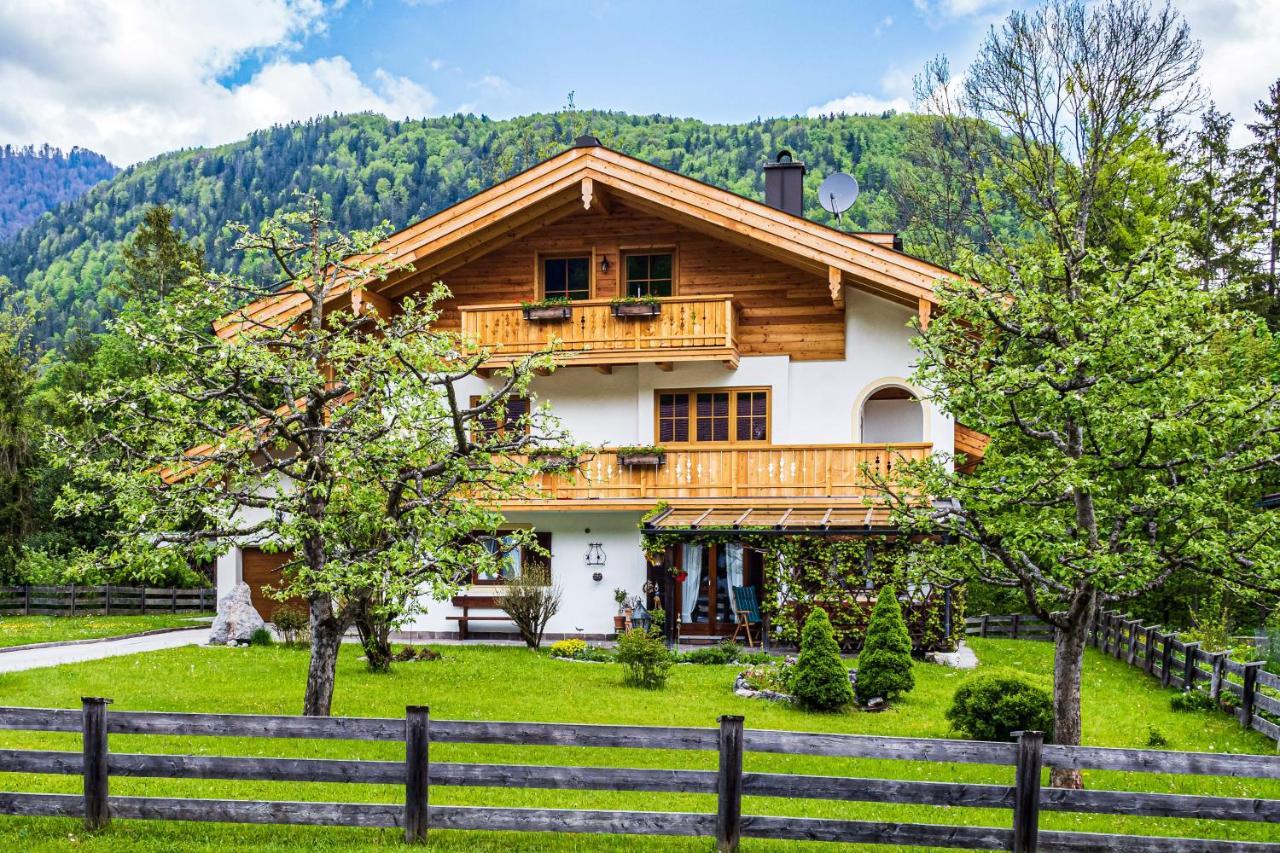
(647, 456)
(636, 306)
(558, 308)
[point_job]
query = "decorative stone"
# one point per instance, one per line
(962, 658)
(237, 618)
(877, 704)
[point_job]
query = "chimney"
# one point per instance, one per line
(784, 184)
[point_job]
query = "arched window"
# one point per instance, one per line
(892, 415)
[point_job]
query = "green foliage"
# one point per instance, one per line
(778, 677)
(262, 637)
(367, 169)
(567, 648)
(884, 666)
(35, 180)
(821, 682)
(1192, 700)
(646, 658)
(291, 620)
(718, 655)
(992, 705)
(157, 258)
(1156, 738)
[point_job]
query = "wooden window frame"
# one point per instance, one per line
(540, 270)
(663, 249)
(501, 428)
(733, 391)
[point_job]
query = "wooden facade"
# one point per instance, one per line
(779, 309)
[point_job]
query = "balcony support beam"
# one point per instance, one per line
(835, 283)
(665, 366)
(605, 369)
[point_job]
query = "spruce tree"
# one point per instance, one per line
(884, 667)
(821, 683)
(1262, 159)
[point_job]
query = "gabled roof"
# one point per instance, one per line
(590, 174)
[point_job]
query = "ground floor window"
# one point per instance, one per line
(513, 558)
(707, 574)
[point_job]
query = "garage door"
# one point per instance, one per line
(261, 571)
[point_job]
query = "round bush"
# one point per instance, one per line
(993, 705)
(821, 683)
(884, 666)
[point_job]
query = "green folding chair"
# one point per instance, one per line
(748, 611)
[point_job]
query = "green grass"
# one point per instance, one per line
(487, 683)
(21, 630)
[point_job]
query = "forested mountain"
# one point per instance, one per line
(34, 180)
(369, 168)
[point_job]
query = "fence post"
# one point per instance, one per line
(202, 599)
(982, 629)
(1026, 792)
(1166, 660)
(417, 742)
(729, 785)
(26, 599)
(73, 599)
(1013, 631)
(1215, 680)
(94, 731)
(173, 599)
(1189, 652)
(106, 598)
(1250, 689)
(1150, 662)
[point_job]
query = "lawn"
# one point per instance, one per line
(488, 683)
(21, 630)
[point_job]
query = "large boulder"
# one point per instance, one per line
(237, 618)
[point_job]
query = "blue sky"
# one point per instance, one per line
(135, 78)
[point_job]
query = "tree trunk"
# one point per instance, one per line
(375, 638)
(326, 639)
(1068, 662)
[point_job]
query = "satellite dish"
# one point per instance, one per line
(838, 193)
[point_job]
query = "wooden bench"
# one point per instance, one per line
(475, 602)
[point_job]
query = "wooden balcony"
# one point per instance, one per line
(687, 328)
(800, 473)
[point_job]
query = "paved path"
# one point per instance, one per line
(55, 655)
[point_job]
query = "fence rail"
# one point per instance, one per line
(1015, 626)
(79, 600)
(1025, 798)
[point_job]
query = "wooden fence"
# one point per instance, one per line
(1013, 627)
(78, 600)
(1244, 688)
(1025, 797)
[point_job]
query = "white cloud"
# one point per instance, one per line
(857, 103)
(938, 12)
(885, 23)
(1241, 39)
(132, 80)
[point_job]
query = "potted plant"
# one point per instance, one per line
(636, 306)
(620, 620)
(643, 456)
(557, 308)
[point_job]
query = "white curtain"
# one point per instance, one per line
(733, 573)
(692, 565)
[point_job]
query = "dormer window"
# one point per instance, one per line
(566, 277)
(649, 274)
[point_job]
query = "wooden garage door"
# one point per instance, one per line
(261, 571)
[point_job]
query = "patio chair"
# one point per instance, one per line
(748, 611)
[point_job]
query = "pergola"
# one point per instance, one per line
(797, 519)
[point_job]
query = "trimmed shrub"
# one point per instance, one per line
(262, 637)
(646, 658)
(884, 666)
(293, 622)
(993, 705)
(821, 682)
(568, 648)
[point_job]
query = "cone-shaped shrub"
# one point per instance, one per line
(820, 682)
(884, 666)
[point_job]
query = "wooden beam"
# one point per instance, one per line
(926, 312)
(834, 284)
(606, 369)
(365, 301)
(593, 196)
(665, 366)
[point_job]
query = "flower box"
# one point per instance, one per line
(642, 459)
(555, 461)
(542, 313)
(635, 309)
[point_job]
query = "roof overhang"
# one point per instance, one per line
(584, 176)
(808, 519)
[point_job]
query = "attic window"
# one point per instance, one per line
(649, 274)
(566, 278)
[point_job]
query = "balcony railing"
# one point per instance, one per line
(699, 473)
(686, 328)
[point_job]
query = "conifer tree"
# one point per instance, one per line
(1262, 159)
(157, 258)
(821, 681)
(884, 667)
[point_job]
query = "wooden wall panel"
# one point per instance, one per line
(782, 310)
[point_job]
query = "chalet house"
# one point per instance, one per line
(773, 369)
